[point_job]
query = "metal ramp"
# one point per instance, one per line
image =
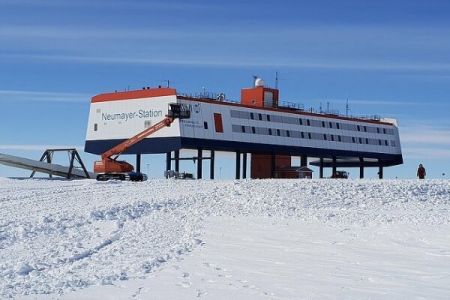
(47, 167)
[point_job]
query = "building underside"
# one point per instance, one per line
(267, 161)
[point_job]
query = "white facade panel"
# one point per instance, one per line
(122, 119)
(254, 119)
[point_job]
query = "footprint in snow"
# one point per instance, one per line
(185, 284)
(201, 293)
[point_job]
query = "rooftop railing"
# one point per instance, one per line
(287, 105)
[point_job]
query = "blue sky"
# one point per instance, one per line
(390, 58)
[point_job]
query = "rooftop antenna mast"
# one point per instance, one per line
(276, 80)
(167, 82)
(347, 108)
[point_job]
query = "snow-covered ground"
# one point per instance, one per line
(260, 239)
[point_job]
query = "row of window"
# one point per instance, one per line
(308, 122)
(311, 135)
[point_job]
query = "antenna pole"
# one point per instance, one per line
(276, 80)
(347, 108)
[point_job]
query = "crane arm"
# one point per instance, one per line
(117, 150)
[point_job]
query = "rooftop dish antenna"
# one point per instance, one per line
(258, 81)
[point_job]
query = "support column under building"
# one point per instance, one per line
(272, 165)
(199, 163)
(334, 166)
(380, 170)
(177, 160)
(138, 163)
(211, 165)
(244, 165)
(361, 167)
(238, 165)
(321, 168)
(168, 161)
(303, 161)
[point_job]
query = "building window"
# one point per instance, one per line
(309, 135)
(278, 132)
(331, 125)
(384, 130)
(367, 141)
(325, 137)
(353, 139)
(358, 128)
(288, 133)
(243, 128)
(379, 142)
(205, 125)
(253, 130)
(260, 117)
(323, 123)
(332, 138)
(378, 130)
(268, 118)
(338, 126)
(252, 116)
(386, 142)
(365, 128)
(360, 140)
(302, 135)
(95, 127)
(308, 122)
(339, 137)
(270, 131)
(300, 121)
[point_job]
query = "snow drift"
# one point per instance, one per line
(317, 238)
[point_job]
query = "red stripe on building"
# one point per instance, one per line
(147, 93)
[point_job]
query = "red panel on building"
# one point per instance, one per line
(262, 166)
(260, 96)
(218, 122)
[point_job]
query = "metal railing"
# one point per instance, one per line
(287, 105)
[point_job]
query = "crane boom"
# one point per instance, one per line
(117, 150)
(111, 168)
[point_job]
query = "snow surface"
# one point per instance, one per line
(250, 239)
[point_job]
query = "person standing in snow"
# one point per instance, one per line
(421, 172)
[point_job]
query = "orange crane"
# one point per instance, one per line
(111, 168)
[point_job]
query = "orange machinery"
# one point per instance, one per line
(111, 168)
